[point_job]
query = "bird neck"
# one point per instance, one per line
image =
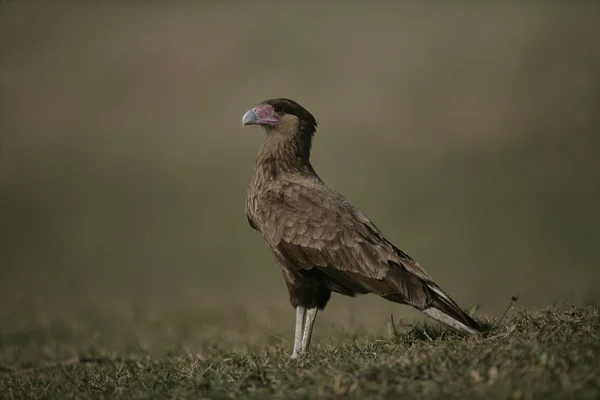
(284, 152)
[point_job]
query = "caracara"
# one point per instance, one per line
(320, 240)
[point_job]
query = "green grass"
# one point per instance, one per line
(548, 353)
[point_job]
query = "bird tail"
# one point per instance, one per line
(443, 309)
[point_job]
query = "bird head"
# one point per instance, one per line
(282, 115)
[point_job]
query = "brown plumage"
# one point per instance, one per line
(320, 240)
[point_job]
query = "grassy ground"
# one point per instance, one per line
(548, 353)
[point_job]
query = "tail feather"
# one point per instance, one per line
(443, 309)
(404, 287)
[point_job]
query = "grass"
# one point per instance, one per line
(548, 353)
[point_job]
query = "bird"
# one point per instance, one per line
(319, 239)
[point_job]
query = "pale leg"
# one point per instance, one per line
(300, 317)
(311, 315)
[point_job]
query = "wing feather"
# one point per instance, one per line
(317, 227)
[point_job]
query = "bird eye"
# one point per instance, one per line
(278, 109)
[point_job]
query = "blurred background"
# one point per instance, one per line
(468, 132)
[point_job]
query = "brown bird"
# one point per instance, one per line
(320, 240)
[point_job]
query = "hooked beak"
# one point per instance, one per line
(250, 118)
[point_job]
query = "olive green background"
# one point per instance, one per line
(468, 132)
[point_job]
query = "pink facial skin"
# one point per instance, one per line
(266, 115)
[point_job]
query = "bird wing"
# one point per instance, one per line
(317, 227)
(311, 226)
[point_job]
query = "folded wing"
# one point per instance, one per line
(315, 227)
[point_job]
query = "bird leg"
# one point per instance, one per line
(300, 317)
(311, 316)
